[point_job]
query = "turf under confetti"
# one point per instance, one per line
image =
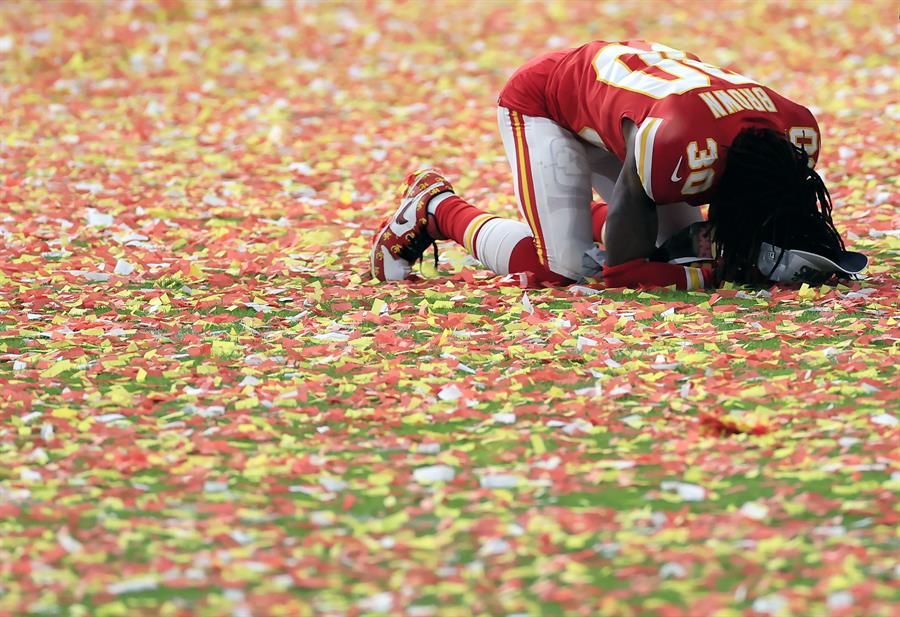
(207, 408)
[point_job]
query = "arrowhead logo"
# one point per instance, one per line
(675, 176)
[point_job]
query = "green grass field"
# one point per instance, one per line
(208, 408)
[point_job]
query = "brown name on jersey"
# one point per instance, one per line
(726, 102)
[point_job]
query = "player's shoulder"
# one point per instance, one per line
(789, 112)
(681, 145)
(676, 149)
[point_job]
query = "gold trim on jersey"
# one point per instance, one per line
(644, 139)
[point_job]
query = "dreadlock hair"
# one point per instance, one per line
(768, 193)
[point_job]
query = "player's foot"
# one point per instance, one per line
(403, 237)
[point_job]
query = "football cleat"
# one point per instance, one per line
(403, 237)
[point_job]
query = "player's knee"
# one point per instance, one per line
(544, 273)
(527, 258)
(567, 260)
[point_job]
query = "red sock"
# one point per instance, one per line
(598, 218)
(524, 258)
(454, 216)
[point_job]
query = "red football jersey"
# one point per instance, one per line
(687, 111)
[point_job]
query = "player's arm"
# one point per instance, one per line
(631, 223)
(630, 235)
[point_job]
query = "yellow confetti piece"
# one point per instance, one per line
(56, 368)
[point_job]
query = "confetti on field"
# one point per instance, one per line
(207, 408)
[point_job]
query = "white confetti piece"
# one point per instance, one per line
(30, 475)
(526, 304)
(67, 542)
(665, 366)
(131, 585)
(591, 391)
(551, 463)
(772, 604)
(617, 464)
(33, 415)
(449, 393)
(577, 426)
(581, 290)
(670, 569)
(584, 342)
(434, 473)
(96, 218)
(839, 600)
(885, 419)
(685, 490)
(754, 510)
(332, 484)
(93, 188)
(123, 268)
(97, 277)
(634, 420)
(505, 417)
(211, 486)
(332, 336)
(379, 603)
(499, 481)
(301, 167)
(211, 199)
(428, 448)
(131, 238)
(496, 546)
(466, 368)
(211, 411)
(106, 418)
(322, 518)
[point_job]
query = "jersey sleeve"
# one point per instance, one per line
(799, 126)
(805, 134)
(660, 161)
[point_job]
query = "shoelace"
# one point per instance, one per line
(417, 247)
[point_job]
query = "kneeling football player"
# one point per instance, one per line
(656, 132)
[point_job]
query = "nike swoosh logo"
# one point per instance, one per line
(401, 217)
(675, 176)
